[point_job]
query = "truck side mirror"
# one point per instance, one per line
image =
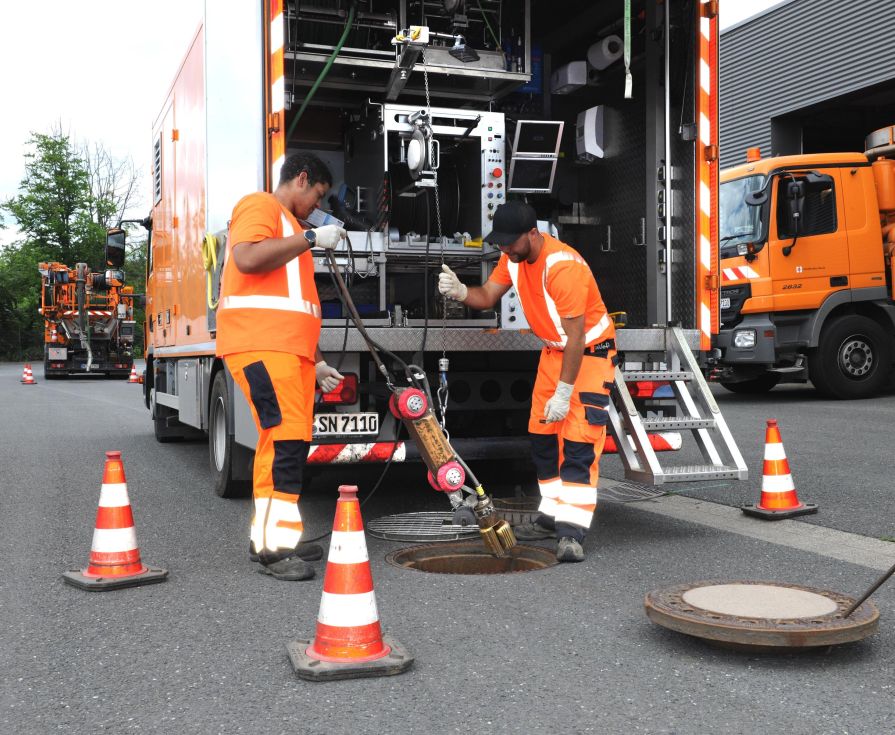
(795, 200)
(115, 242)
(757, 198)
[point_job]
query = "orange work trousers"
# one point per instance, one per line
(567, 453)
(280, 390)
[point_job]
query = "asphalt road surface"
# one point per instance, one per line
(565, 650)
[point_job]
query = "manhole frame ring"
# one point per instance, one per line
(546, 555)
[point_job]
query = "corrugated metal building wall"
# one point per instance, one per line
(795, 56)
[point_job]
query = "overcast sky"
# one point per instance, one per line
(101, 69)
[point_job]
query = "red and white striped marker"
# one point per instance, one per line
(114, 556)
(349, 641)
(28, 376)
(778, 492)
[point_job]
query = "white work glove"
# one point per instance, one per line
(329, 236)
(557, 407)
(449, 285)
(328, 378)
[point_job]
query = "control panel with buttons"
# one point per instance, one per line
(493, 166)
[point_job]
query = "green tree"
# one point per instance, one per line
(67, 198)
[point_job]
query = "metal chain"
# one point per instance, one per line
(442, 392)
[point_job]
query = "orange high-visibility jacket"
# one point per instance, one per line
(558, 284)
(278, 310)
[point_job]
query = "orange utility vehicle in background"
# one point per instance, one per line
(427, 129)
(88, 317)
(806, 271)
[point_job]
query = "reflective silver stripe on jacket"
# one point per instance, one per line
(292, 302)
(592, 334)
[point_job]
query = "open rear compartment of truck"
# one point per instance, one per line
(430, 115)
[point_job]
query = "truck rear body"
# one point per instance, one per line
(632, 210)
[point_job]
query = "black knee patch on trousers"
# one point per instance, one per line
(264, 397)
(577, 460)
(545, 454)
(289, 457)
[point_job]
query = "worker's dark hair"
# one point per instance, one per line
(318, 172)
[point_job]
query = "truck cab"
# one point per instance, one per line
(805, 291)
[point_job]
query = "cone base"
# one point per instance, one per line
(397, 661)
(779, 515)
(77, 578)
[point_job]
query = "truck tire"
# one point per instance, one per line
(761, 384)
(225, 456)
(852, 360)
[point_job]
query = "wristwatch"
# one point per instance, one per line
(311, 237)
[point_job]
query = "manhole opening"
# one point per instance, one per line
(471, 558)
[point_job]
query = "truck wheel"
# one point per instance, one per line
(761, 384)
(224, 455)
(852, 359)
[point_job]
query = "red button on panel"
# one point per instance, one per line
(497, 173)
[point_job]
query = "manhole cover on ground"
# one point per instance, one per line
(761, 615)
(471, 558)
(421, 527)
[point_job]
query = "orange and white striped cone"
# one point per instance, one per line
(778, 493)
(114, 556)
(349, 643)
(28, 376)
(133, 377)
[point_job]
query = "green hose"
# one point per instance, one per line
(324, 72)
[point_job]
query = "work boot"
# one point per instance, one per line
(568, 549)
(533, 532)
(308, 552)
(288, 569)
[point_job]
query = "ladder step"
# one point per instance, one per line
(688, 473)
(677, 423)
(635, 375)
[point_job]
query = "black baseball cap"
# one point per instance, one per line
(511, 220)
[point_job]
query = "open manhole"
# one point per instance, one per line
(471, 558)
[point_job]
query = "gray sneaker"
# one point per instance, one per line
(533, 532)
(290, 569)
(568, 549)
(306, 551)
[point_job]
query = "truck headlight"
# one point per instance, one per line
(744, 338)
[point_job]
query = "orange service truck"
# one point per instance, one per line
(430, 115)
(806, 271)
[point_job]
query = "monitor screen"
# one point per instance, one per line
(533, 175)
(539, 137)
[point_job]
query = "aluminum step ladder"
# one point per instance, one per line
(697, 412)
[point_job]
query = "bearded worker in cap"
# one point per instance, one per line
(567, 425)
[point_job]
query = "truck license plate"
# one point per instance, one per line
(334, 424)
(725, 304)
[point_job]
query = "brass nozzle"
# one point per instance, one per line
(497, 537)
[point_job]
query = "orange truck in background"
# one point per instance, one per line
(88, 317)
(806, 271)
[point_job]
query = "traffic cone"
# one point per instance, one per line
(778, 493)
(349, 643)
(114, 555)
(133, 377)
(28, 376)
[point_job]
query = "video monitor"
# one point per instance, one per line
(532, 175)
(538, 138)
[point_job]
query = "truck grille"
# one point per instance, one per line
(731, 316)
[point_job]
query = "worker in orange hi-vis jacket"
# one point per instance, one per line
(563, 306)
(268, 327)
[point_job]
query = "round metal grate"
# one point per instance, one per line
(420, 527)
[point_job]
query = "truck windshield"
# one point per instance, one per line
(740, 223)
